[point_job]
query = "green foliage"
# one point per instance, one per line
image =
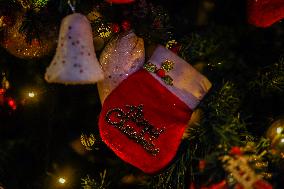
(270, 79)
(90, 183)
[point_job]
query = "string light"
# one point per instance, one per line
(61, 180)
(279, 130)
(31, 94)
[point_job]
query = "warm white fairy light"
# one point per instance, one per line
(61, 180)
(279, 130)
(31, 94)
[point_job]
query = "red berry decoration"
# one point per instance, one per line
(236, 150)
(263, 13)
(161, 73)
(120, 1)
(115, 28)
(126, 25)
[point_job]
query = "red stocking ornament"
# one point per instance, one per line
(144, 118)
(263, 13)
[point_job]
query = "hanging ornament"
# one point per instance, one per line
(276, 129)
(120, 1)
(88, 141)
(102, 32)
(121, 57)
(264, 13)
(238, 166)
(75, 61)
(275, 134)
(115, 28)
(17, 44)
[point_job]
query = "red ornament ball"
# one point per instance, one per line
(115, 28)
(126, 25)
(161, 73)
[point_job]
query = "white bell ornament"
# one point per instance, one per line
(75, 61)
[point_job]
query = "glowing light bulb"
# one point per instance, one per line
(61, 180)
(279, 130)
(282, 140)
(31, 94)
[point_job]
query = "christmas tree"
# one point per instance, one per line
(141, 94)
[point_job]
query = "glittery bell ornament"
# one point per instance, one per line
(75, 60)
(121, 57)
(143, 119)
(264, 13)
(16, 44)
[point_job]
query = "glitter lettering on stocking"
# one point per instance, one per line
(121, 119)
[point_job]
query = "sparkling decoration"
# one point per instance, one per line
(40, 3)
(16, 43)
(171, 43)
(121, 57)
(88, 141)
(120, 119)
(104, 31)
(167, 66)
(150, 67)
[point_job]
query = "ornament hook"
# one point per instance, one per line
(72, 5)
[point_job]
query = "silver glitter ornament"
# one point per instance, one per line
(123, 56)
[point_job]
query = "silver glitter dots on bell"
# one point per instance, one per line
(121, 57)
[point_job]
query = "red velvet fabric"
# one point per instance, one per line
(161, 108)
(263, 13)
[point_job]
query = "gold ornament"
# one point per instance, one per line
(88, 141)
(277, 128)
(171, 43)
(94, 15)
(16, 44)
(275, 134)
